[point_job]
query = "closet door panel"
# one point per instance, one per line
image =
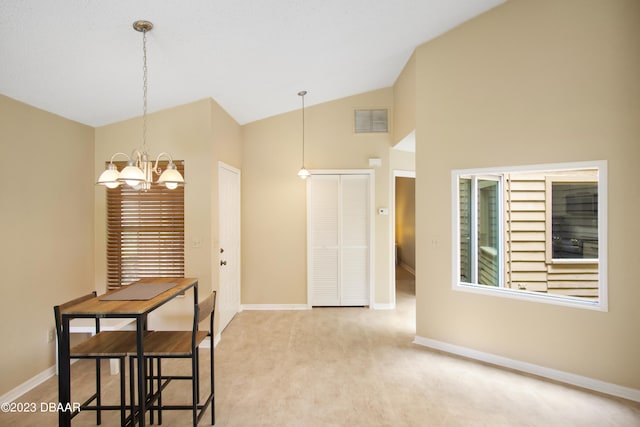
(325, 277)
(355, 210)
(323, 240)
(355, 277)
(354, 240)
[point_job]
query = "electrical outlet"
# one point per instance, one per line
(50, 335)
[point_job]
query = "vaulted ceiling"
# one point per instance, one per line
(82, 60)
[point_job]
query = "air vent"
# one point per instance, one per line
(371, 121)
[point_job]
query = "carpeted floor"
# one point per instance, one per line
(356, 367)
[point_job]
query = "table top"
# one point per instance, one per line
(95, 307)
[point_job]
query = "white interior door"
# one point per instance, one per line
(339, 249)
(229, 252)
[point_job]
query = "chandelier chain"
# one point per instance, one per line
(144, 89)
(138, 174)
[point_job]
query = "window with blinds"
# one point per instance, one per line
(145, 232)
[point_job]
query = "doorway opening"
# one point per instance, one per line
(404, 239)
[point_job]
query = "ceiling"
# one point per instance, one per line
(81, 59)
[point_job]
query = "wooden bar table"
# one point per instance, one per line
(134, 301)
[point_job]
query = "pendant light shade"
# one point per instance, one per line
(304, 173)
(171, 178)
(109, 178)
(131, 175)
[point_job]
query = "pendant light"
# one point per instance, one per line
(303, 173)
(140, 169)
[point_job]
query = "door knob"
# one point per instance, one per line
(223, 262)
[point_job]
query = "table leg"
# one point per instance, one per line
(142, 372)
(64, 374)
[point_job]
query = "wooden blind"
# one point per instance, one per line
(145, 232)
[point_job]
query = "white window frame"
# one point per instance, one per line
(474, 227)
(601, 304)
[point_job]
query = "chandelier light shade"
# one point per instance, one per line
(140, 169)
(303, 173)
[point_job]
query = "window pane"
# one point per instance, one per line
(488, 233)
(465, 229)
(575, 220)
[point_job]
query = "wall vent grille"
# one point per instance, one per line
(371, 121)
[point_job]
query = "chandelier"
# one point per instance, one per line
(303, 173)
(140, 169)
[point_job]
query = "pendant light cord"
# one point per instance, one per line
(302, 94)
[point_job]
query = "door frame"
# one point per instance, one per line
(238, 172)
(371, 174)
(396, 173)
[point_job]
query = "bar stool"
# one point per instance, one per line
(160, 345)
(102, 345)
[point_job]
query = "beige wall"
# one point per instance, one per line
(51, 259)
(46, 256)
(404, 94)
(274, 198)
(200, 133)
(533, 82)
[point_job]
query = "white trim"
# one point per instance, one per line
(250, 307)
(396, 173)
(541, 371)
(389, 306)
(342, 172)
(207, 341)
(372, 237)
(216, 269)
(28, 385)
(408, 268)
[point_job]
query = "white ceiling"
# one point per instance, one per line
(81, 59)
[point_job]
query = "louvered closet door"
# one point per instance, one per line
(323, 239)
(354, 245)
(339, 240)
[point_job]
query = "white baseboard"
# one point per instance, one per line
(408, 268)
(285, 307)
(389, 306)
(274, 307)
(553, 374)
(207, 342)
(12, 395)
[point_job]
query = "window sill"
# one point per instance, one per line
(574, 261)
(531, 296)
